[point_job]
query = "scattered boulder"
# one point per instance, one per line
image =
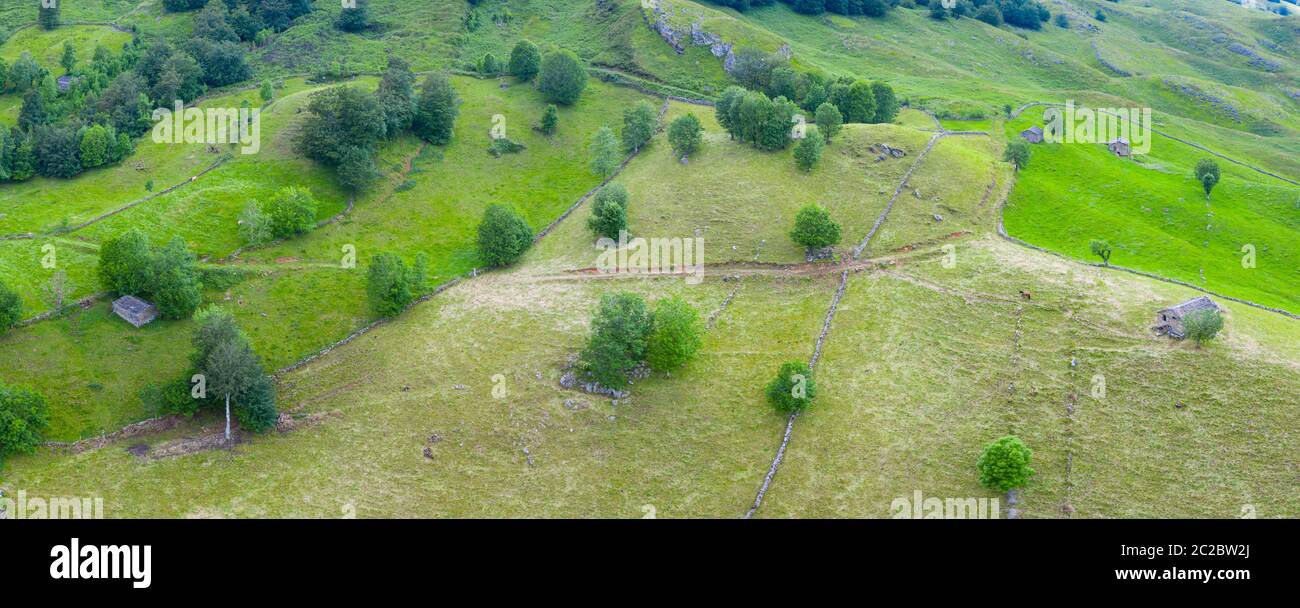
(825, 253)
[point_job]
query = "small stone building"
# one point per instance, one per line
(1119, 147)
(137, 312)
(1033, 135)
(1170, 320)
(65, 82)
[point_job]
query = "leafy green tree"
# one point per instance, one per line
(525, 60)
(254, 226)
(675, 335)
(937, 10)
(292, 211)
(562, 77)
(685, 135)
(96, 146)
(69, 58)
(503, 236)
(619, 329)
(213, 22)
(255, 405)
(639, 122)
(11, 308)
(989, 14)
(886, 102)
(436, 110)
(1004, 464)
(609, 211)
(354, 19)
(604, 153)
(24, 415)
(175, 286)
(1207, 172)
(809, 149)
(814, 228)
(1099, 16)
(829, 120)
(230, 369)
(1101, 249)
(124, 263)
(48, 16)
(488, 65)
(725, 111)
(1202, 325)
(550, 120)
(793, 388)
(856, 101)
(25, 72)
(267, 91)
(356, 167)
(1017, 153)
(340, 120)
(1062, 21)
(388, 284)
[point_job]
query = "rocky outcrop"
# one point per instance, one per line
(696, 36)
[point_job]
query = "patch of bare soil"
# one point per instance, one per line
(153, 425)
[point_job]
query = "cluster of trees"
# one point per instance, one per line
(1028, 14)
(625, 333)
(246, 18)
(167, 276)
(346, 124)
(290, 212)
(224, 371)
(752, 116)
(392, 285)
(24, 415)
(609, 211)
(870, 8)
(107, 103)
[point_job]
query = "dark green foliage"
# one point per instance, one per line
(809, 149)
(391, 285)
(212, 23)
(223, 62)
(856, 101)
(639, 122)
(793, 388)
(24, 415)
(1017, 153)
(989, 14)
(550, 120)
(725, 111)
(1102, 250)
(562, 77)
(1062, 20)
(1099, 15)
(292, 211)
(505, 145)
(124, 263)
(175, 289)
(255, 403)
(436, 110)
(609, 211)
(48, 17)
(675, 335)
(1004, 464)
(11, 308)
(619, 329)
(829, 120)
(886, 102)
(753, 68)
(1207, 172)
(343, 128)
(503, 236)
(760, 121)
(1202, 325)
(937, 11)
(814, 228)
(525, 60)
(396, 96)
(685, 135)
(354, 19)
(57, 151)
(489, 65)
(69, 58)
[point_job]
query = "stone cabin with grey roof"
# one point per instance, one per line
(1170, 320)
(137, 312)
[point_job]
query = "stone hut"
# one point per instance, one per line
(1170, 320)
(1033, 135)
(137, 312)
(1119, 147)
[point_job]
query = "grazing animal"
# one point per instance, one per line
(1026, 295)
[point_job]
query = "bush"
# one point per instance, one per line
(1100, 249)
(1062, 20)
(255, 404)
(619, 329)
(436, 110)
(525, 60)
(792, 389)
(604, 152)
(24, 415)
(562, 77)
(504, 145)
(1202, 325)
(391, 285)
(175, 288)
(254, 226)
(488, 65)
(674, 335)
(1004, 465)
(125, 264)
(1017, 153)
(989, 14)
(685, 135)
(550, 119)
(503, 236)
(609, 211)
(11, 308)
(829, 120)
(291, 211)
(814, 228)
(809, 149)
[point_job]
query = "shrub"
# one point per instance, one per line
(1101, 249)
(604, 152)
(175, 288)
(504, 145)
(503, 236)
(829, 120)
(436, 110)
(989, 14)
(550, 119)
(488, 65)
(391, 285)
(1017, 153)
(11, 308)
(291, 211)
(793, 388)
(1099, 15)
(809, 149)
(684, 135)
(254, 226)
(525, 60)
(619, 329)
(609, 211)
(24, 415)
(814, 228)
(562, 77)
(1004, 464)
(124, 264)
(1207, 172)
(674, 335)
(857, 102)
(1202, 325)
(267, 92)
(1062, 20)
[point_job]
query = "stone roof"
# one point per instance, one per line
(1034, 130)
(1194, 304)
(131, 304)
